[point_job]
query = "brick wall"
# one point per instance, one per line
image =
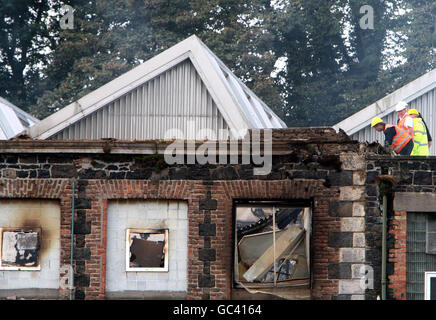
(397, 256)
(321, 167)
(412, 175)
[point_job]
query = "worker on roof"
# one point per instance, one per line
(430, 139)
(399, 139)
(405, 120)
(421, 143)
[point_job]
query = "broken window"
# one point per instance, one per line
(271, 246)
(147, 250)
(19, 248)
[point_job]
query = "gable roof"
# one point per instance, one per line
(238, 105)
(13, 120)
(386, 106)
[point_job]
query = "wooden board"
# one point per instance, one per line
(289, 238)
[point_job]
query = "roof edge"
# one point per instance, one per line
(386, 105)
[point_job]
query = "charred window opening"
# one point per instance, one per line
(147, 250)
(272, 246)
(20, 248)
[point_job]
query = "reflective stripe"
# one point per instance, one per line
(421, 132)
(400, 147)
(421, 144)
(401, 139)
(397, 137)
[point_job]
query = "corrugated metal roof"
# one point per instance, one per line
(13, 120)
(420, 94)
(186, 88)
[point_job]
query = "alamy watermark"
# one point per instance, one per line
(367, 21)
(222, 148)
(67, 20)
(366, 277)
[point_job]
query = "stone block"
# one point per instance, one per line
(82, 203)
(423, 178)
(352, 161)
(340, 208)
(9, 174)
(207, 254)
(351, 254)
(358, 209)
(352, 224)
(82, 253)
(349, 193)
(359, 178)
(207, 229)
(206, 280)
(339, 270)
(359, 240)
(63, 171)
(340, 239)
(343, 178)
(208, 204)
(81, 280)
(358, 270)
(351, 287)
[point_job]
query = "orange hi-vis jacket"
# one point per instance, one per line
(402, 121)
(401, 138)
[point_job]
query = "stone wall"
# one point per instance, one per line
(315, 165)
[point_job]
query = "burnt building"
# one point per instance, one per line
(146, 229)
(175, 181)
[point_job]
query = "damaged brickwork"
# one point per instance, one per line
(313, 164)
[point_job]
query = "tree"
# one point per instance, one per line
(309, 37)
(24, 39)
(420, 32)
(332, 66)
(105, 43)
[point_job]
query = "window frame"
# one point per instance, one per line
(20, 229)
(271, 204)
(428, 275)
(428, 231)
(147, 269)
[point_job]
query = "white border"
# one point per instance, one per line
(427, 277)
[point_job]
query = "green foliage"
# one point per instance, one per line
(23, 39)
(326, 77)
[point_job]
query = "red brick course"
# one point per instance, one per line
(397, 255)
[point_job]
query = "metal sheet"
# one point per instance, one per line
(175, 104)
(251, 247)
(289, 238)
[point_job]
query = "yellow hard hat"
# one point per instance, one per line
(413, 111)
(375, 121)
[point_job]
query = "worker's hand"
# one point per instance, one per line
(389, 149)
